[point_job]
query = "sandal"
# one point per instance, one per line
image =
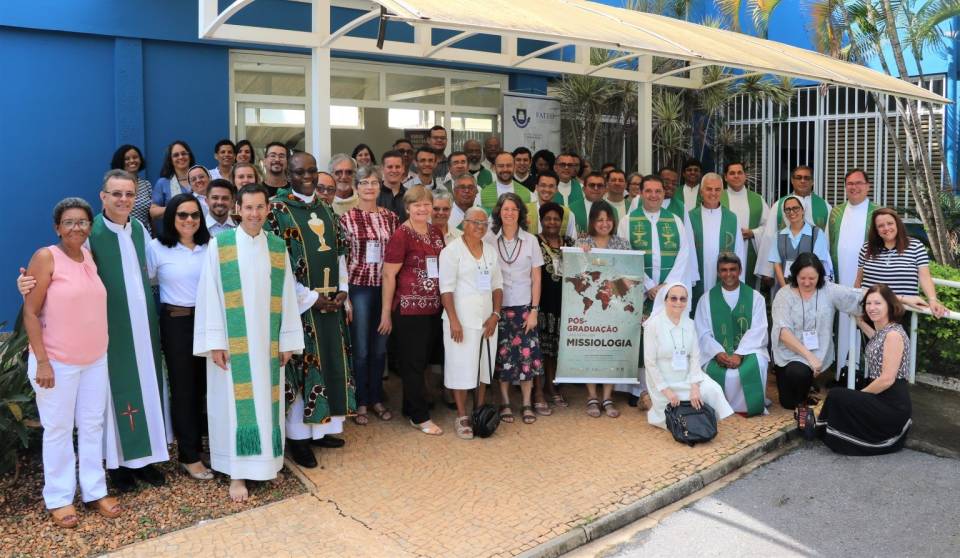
(108, 507)
(608, 407)
(382, 412)
(506, 414)
(542, 409)
(559, 401)
(361, 419)
(428, 427)
(463, 428)
(529, 417)
(644, 404)
(593, 408)
(65, 517)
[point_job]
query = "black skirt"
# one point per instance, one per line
(857, 423)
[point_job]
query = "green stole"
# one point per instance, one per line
(729, 326)
(124, 376)
(755, 206)
(641, 238)
(676, 205)
(728, 241)
(533, 219)
(819, 212)
(322, 375)
(488, 196)
(248, 429)
(582, 217)
(484, 177)
(833, 222)
(576, 193)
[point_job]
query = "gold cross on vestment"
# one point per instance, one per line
(327, 289)
(129, 414)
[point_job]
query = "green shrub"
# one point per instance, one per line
(938, 351)
(17, 408)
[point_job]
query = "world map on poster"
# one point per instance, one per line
(592, 287)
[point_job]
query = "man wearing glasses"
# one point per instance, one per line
(594, 189)
(319, 394)
(566, 167)
(344, 171)
(815, 210)
(405, 148)
(275, 165)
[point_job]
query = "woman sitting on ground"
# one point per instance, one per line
(672, 359)
(875, 420)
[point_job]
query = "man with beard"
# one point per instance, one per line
(275, 164)
(504, 184)
(320, 391)
(438, 143)
(566, 166)
(547, 192)
(220, 200)
(464, 196)
(344, 170)
(522, 160)
(475, 165)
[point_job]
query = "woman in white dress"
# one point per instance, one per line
(471, 290)
(672, 359)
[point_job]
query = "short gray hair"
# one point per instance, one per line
(117, 173)
(474, 209)
(465, 176)
(339, 158)
(71, 203)
(712, 176)
(367, 171)
(442, 194)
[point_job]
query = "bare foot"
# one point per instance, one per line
(238, 490)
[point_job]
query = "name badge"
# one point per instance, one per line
(679, 360)
(484, 280)
(433, 267)
(373, 252)
(810, 340)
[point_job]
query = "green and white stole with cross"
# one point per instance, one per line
(728, 232)
(729, 326)
(755, 206)
(123, 372)
(835, 222)
(819, 212)
(248, 429)
(315, 241)
(641, 238)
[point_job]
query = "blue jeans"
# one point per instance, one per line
(369, 347)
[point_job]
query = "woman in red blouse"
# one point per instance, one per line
(368, 228)
(411, 301)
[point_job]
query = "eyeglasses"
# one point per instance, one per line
(304, 172)
(476, 223)
(369, 182)
(326, 189)
(118, 195)
(405, 151)
(803, 178)
(600, 186)
(179, 154)
(82, 224)
(184, 215)
(343, 172)
(793, 209)
(566, 165)
(674, 298)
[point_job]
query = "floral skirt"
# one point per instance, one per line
(518, 352)
(549, 331)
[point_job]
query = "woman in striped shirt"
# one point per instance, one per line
(892, 258)
(368, 228)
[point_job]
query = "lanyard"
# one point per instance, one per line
(803, 310)
(673, 339)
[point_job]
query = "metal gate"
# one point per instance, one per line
(831, 129)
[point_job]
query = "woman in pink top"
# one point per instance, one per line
(65, 317)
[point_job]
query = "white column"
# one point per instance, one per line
(645, 117)
(319, 109)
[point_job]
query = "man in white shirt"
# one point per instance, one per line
(438, 143)
(426, 161)
(616, 191)
(491, 148)
(546, 192)
(566, 167)
(344, 171)
(464, 189)
(711, 229)
(405, 148)
(221, 196)
(504, 183)
(475, 165)
(594, 188)
(457, 163)
(225, 152)
(522, 160)
(691, 183)
(750, 209)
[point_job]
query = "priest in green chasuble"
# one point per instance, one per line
(247, 327)
(320, 388)
(731, 323)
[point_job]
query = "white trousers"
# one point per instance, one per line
(299, 430)
(78, 397)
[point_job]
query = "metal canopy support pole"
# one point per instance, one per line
(320, 139)
(645, 117)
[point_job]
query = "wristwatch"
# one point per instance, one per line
(535, 307)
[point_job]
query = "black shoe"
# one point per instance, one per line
(329, 442)
(632, 400)
(150, 474)
(301, 453)
(122, 479)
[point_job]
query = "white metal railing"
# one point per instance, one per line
(852, 350)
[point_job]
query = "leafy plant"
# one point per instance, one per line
(936, 344)
(18, 411)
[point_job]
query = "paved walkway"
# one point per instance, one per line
(395, 492)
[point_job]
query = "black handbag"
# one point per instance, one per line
(485, 418)
(690, 425)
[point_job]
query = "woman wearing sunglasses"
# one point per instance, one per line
(175, 258)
